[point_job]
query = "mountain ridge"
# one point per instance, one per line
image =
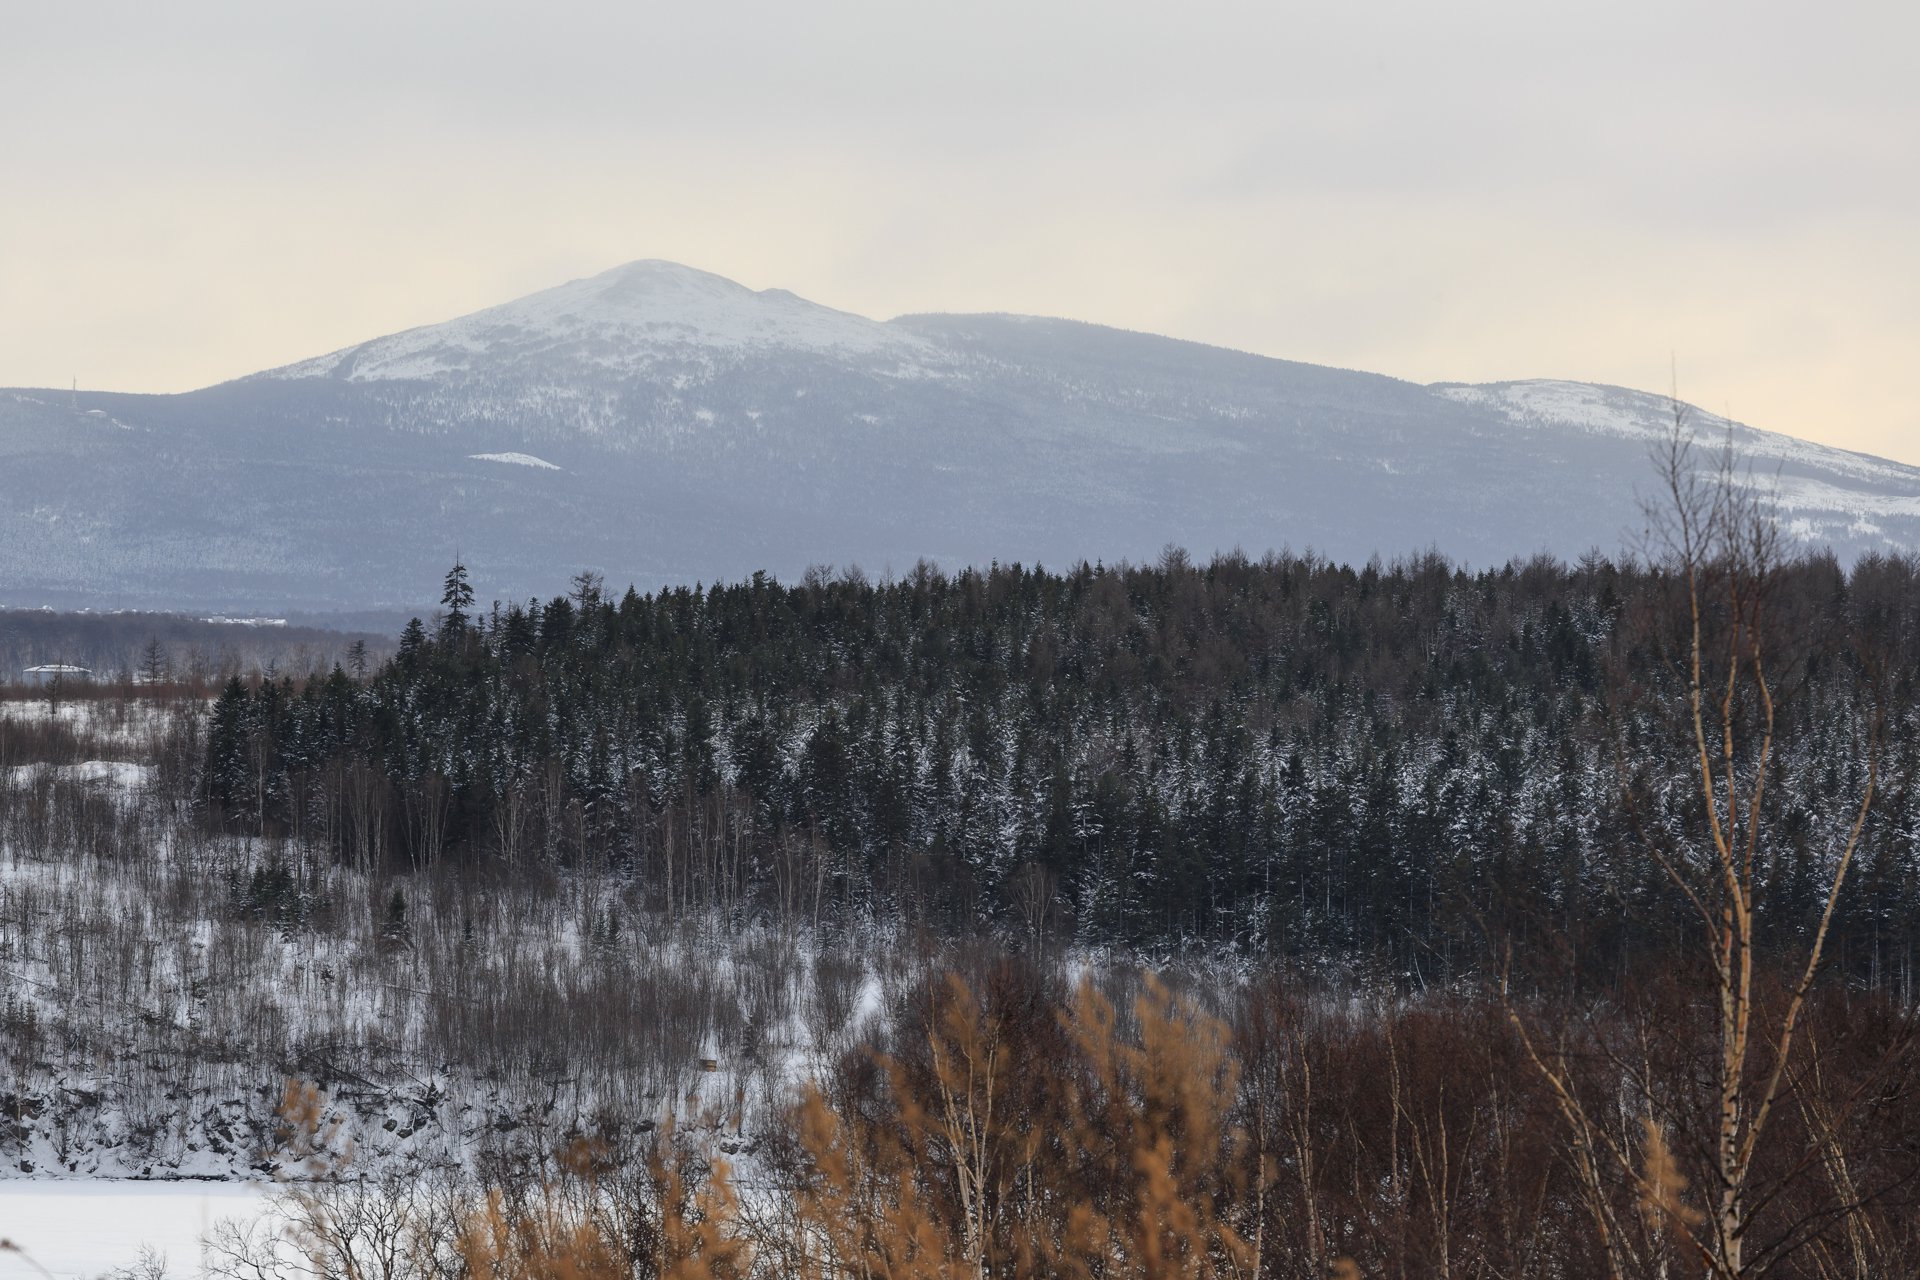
(669, 425)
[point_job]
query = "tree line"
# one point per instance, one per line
(151, 648)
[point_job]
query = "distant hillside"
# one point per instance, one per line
(662, 425)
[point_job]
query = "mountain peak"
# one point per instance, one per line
(663, 267)
(652, 276)
(628, 316)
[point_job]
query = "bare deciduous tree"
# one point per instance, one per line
(1723, 664)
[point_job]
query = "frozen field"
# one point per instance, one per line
(84, 1229)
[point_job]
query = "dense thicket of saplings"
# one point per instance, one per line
(1292, 757)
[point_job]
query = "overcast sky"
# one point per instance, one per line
(1460, 191)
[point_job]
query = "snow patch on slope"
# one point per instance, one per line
(1604, 410)
(1617, 411)
(1803, 493)
(516, 459)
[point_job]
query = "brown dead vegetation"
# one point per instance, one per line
(1008, 1126)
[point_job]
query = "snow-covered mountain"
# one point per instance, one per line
(662, 424)
(627, 321)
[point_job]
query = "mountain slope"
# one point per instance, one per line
(662, 424)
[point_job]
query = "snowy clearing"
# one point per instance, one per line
(108, 722)
(118, 775)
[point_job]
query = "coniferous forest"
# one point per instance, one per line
(1405, 769)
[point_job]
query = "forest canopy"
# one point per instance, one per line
(1391, 764)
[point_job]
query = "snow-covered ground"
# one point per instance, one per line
(118, 775)
(107, 721)
(86, 1229)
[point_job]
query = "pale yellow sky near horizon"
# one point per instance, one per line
(1499, 191)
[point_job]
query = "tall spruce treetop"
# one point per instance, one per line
(457, 599)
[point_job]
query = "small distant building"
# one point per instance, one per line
(41, 676)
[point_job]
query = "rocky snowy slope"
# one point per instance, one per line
(662, 424)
